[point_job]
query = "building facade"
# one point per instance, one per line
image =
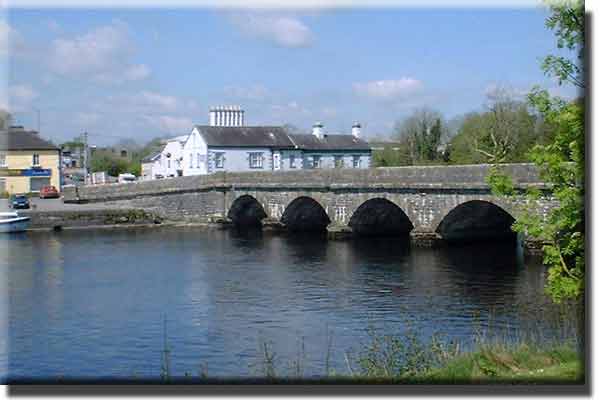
(226, 144)
(151, 168)
(27, 162)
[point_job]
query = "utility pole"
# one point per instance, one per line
(85, 155)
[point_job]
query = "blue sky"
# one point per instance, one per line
(134, 73)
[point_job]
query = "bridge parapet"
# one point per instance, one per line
(459, 177)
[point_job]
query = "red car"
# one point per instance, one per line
(49, 192)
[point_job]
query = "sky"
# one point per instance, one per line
(143, 73)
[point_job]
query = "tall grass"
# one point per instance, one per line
(548, 351)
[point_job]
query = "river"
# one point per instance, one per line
(106, 303)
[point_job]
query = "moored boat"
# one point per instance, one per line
(12, 222)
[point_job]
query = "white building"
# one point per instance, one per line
(171, 157)
(227, 144)
(151, 167)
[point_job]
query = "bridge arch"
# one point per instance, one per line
(476, 220)
(246, 211)
(380, 217)
(305, 214)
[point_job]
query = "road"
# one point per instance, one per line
(38, 204)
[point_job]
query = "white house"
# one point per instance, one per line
(151, 167)
(226, 144)
(171, 157)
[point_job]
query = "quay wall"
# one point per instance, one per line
(89, 218)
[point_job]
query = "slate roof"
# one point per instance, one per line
(329, 142)
(24, 140)
(151, 157)
(276, 136)
(245, 136)
(181, 139)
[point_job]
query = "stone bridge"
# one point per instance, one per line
(427, 202)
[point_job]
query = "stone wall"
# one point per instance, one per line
(426, 195)
(88, 218)
(448, 177)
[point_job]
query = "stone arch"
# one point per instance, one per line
(476, 220)
(380, 217)
(305, 214)
(246, 211)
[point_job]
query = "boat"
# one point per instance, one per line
(12, 222)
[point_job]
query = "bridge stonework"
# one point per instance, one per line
(425, 194)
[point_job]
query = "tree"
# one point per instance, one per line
(561, 164)
(421, 134)
(504, 132)
(112, 165)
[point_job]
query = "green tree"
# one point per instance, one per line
(561, 164)
(112, 165)
(420, 135)
(502, 133)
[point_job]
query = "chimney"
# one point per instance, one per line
(318, 130)
(226, 116)
(356, 130)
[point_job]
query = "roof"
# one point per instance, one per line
(329, 142)
(181, 139)
(245, 136)
(24, 140)
(151, 157)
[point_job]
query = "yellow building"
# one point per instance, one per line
(27, 162)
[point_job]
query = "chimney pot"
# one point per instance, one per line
(318, 130)
(356, 129)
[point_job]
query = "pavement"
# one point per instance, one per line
(38, 204)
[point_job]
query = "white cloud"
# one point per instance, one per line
(101, 54)
(170, 124)
(21, 96)
(253, 92)
(156, 100)
(388, 89)
(137, 72)
(11, 41)
(86, 118)
(285, 31)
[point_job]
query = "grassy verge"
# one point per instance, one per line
(501, 364)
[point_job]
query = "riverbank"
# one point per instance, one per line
(90, 219)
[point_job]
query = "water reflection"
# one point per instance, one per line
(222, 292)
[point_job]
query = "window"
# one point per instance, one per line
(256, 160)
(197, 160)
(316, 162)
(2, 160)
(219, 160)
(292, 161)
(168, 163)
(36, 159)
(356, 161)
(339, 161)
(191, 160)
(340, 214)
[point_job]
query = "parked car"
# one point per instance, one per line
(126, 178)
(49, 192)
(18, 201)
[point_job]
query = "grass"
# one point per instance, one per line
(490, 357)
(518, 365)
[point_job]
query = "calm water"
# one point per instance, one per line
(93, 303)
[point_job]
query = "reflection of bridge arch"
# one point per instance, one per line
(246, 211)
(476, 220)
(380, 217)
(305, 214)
